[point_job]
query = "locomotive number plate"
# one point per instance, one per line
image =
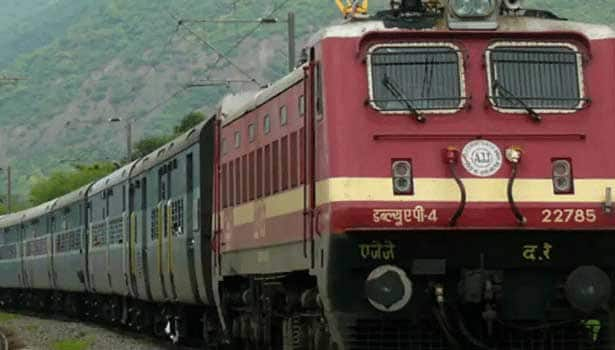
(401, 217)
(563, 216)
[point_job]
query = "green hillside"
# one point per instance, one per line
(87, 61)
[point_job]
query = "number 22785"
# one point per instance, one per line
(562, 216)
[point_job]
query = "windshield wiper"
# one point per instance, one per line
(533, 114)
(391, 85)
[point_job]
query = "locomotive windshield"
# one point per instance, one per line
(545, 77)
(427, 77)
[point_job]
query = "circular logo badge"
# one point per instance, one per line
(482, 158)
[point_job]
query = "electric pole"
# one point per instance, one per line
(292, 50)
(128, 136)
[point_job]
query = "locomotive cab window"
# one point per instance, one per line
(545, 77)
(425, 77)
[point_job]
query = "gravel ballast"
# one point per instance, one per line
(42, 334)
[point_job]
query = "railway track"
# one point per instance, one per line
(4, 340)
(7, 339)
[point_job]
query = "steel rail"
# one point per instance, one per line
(4, 341)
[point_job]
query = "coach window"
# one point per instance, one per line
(268, 170)
(294, 164)
(237, 181)
(283, 116)
(284, 162)
(259, 173)
(244, 177)
(276, 167)
(252, 175)
(267, 124)
(301, 105)
(223, 180)
(231, 187)
(318, 103)
(535, 77)
(425, 77)
(224, 146)
(251, 132)
(237, 139)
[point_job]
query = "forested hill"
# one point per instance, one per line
(89, 60)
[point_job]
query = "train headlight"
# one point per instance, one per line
(562, 176)
(388, 288)
(473, 14)
(402, 177)
(473, 8)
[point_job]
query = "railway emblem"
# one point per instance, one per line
(482, 158)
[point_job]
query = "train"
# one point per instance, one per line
(434, 176)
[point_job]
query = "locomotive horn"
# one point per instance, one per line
(512, 4)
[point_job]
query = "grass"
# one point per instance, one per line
(72, 344)
(4, 317)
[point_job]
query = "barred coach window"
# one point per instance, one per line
(547, 77)
(423, 77)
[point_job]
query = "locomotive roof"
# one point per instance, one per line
(506, 24)
(235, 106)
(116, 177)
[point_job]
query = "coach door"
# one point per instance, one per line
(129, 243)
(163, 233)
(180, 264)
(177, 265)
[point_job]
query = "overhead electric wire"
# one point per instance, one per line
(222, 55)
(253, 30)
(217, 51)
(159, 61)
(161, 103)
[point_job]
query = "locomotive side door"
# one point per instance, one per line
(313, 88)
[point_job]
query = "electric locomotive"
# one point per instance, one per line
(434, 177)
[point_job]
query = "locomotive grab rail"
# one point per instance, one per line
(521, 219)
(462, 202)
(451, 158)
(513, 155)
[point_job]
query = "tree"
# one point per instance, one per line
(188, 122)
(149, 145)
(60, 183)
